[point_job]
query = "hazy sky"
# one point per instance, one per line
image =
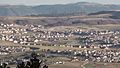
(41, 2)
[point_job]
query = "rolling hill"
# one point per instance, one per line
(112, 14)
(55, 10)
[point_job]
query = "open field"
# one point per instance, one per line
(102, 65)
(89, 65)
(67, 65)
(84, 27)
(108, 26)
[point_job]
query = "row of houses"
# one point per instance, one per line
(35, 34)
(5, 50)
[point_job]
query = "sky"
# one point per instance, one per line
(49, 2)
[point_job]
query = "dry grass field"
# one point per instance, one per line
(102, 65)
(89, 65)
(108, 26)
(67, 65)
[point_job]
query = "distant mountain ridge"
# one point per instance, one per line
(58, 9)
(112, 14)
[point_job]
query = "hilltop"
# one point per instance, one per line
(56, 10)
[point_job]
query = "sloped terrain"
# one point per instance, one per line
(55, 10)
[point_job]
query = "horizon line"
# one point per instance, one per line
(57, 4)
